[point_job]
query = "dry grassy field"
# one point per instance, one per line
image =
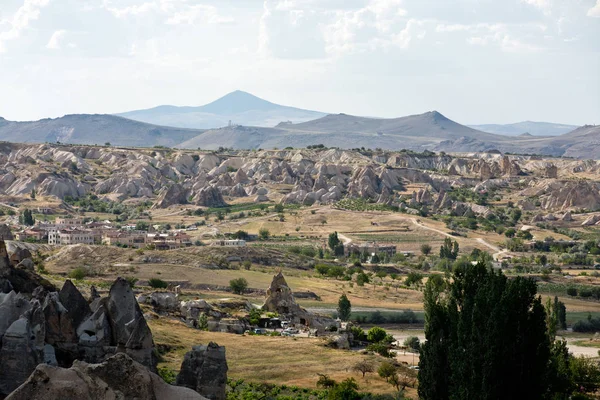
(278, 360)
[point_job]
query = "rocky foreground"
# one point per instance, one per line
(170, 177)
(60, 345)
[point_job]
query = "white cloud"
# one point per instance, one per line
(198, 13)
(175, 12)
(29, 11)
(369, 27)
(55, 42)
(594, 11)
(414, 29)
(541, 4)
(263, 30)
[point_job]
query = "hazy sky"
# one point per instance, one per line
(476, 61)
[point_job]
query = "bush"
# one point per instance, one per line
(425, 249)
(239, 285)
(376, 334)
(571, 291)
(264, 234)
(157, 283)
(78, 273)
(167, 374)
(379, 348)
(413, 343)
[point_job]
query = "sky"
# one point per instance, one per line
(475, 61)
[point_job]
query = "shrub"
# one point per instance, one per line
(379, 348)
(571, 291)
(425, 249)
(167, 374)
(238, 285)
(376, 334)
(264, 233)
(78, 273)
(413, 343)
(157, 283)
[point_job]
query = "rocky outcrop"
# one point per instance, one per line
(168, 196)
(5, 233)
(209, 196)
(592, 220)
(280, 300)
(22, 348)
(564, 195)
(162, 302)
(119, 377)
(204, 369)
(63, 328)
(130, 331)
(22, 280)
(261, 195)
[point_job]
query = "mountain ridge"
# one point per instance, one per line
(534, 128)
(238, 107)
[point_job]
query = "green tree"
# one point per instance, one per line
(425, 249)
(203, 322)
(386, 370)
(142, 226)
(362, 278)
(32, 194)
(449, 249)
(413, 343)
(26, 218)
(345, 390)
(376, 334)
(478, 329)
(333, 241)
(344, 308)
(413, 278)
(254, 316)
(238, 285)
(325, 382)
(264, 233)
(510, 232)
(364, 367)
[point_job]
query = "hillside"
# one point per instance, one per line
(416, 132)
(93, 129)
(238, 107)
(530, 127)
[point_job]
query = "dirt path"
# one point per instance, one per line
(497, 249)
(422, 225)
(8, 206)
(345, 239)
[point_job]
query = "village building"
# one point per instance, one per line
(34, 233)
(135, 239)
(369, 248)
(68, 222)
(70, 236)
(230, 243)
(168, 241)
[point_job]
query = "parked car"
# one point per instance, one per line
(291, 331)
(259, 331)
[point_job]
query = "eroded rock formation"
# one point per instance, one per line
(119, 377)
(280, 300)
(204, 369)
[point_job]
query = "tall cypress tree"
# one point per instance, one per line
(486, 338)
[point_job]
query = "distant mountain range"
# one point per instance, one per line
(428, 131)
(94, 129)
(239, 108)
(526, 127)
